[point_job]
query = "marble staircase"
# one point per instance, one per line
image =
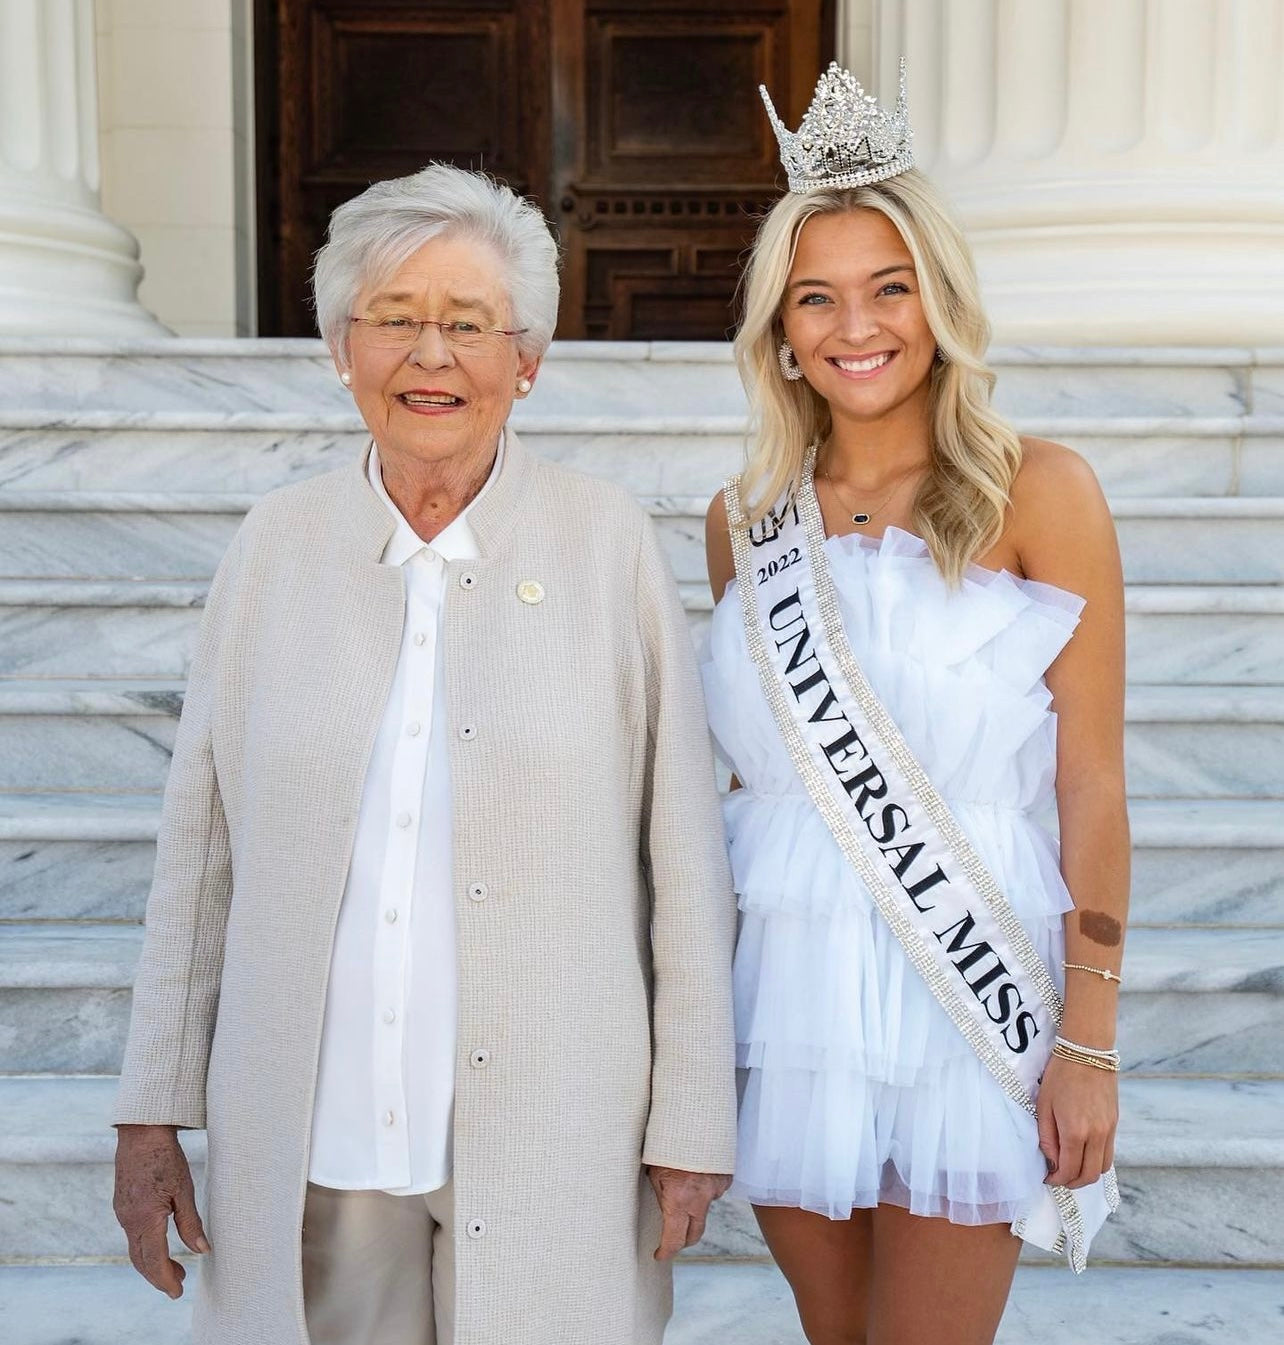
(123, 474)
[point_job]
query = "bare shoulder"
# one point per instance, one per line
(1061, 523)
(717, 546)
(1053, 478)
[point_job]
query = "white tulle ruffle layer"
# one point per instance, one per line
(856, 1088)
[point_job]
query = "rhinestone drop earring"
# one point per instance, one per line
(788, 362)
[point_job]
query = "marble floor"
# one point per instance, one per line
(750, 1305)
(730, 1304)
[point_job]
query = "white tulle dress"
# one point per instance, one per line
(856, 1088)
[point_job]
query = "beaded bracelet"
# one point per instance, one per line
(1086, 1055)
(1111, 1054)
(1103, 972)
(1085, 1060)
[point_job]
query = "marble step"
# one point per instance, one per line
(652, 454)
(1203, 1001)
(89, 856)
(73, 373)
(247, 415)
(1203, 636)
(117, 734)
(77, 374)
(87, 735)
(1201, 1166)
(162, 535)
(1204, 742)
(1183, 634)
(1177, 540)
(65, 993)
(747, 1303)
(76, 856)
(99, 628)
(1207, 862)
(1194, 1001)
(67, 628)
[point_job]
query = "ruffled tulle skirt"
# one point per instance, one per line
(856, 1089)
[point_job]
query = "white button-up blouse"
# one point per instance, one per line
(385, 1082)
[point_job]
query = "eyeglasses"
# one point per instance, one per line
(460, 335)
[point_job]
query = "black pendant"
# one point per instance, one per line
(860, 518)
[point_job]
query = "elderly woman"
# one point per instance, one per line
(439, 942)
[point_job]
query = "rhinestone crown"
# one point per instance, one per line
(846, 139)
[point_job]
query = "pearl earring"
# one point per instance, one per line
(345, 378)
(788, 364)
(523, 385)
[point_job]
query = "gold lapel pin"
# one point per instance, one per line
(530, 591)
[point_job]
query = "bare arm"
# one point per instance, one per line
(719, 558)
(717, 547)
(1065, 536)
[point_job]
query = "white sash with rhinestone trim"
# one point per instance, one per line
(898, 834)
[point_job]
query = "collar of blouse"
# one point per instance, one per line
(491, 516)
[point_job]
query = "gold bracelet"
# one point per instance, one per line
(1105, 974)
(1104, 1065)
(1093, 1062)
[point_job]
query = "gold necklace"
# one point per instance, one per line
(863, 516)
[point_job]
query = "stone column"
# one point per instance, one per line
(854, 36)
(1118, 164)
(65, 269)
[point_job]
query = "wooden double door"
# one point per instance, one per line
(635, 124)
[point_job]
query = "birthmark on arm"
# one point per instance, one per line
(1100, 928)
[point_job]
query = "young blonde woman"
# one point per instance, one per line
(916, 655)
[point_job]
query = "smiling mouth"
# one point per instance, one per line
(436, 400)
(863, 366)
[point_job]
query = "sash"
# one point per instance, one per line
(894, 829)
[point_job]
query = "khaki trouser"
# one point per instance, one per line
(378, 1269)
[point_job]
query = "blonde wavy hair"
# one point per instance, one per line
(961, 507)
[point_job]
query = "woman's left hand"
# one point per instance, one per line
(684, 1199)
(1078, 1112)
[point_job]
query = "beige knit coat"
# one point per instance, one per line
(595, 969)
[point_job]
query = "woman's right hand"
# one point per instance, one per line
(154, 1181)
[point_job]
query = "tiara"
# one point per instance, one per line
(846, 139)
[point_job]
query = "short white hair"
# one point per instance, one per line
(374, 233)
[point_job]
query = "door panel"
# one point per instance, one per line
(636, 126)
(660, 140)
(349, 93)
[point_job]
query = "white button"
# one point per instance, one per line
(413, 729)
(420, 637)
(480, 1058)
(531, 592)
(389, 1119)
(390, 915)
(478, 892)
(467, 579)
(468, 733)
(403, 820)
(390, 1015)
(476, 1228)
